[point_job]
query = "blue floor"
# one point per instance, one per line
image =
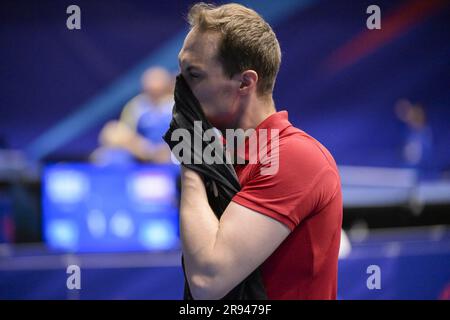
(414, 264)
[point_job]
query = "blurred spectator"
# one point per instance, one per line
(417, 149)
(137, 135)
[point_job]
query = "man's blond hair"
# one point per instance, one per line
(247, 41)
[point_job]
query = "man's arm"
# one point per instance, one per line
(218, 255)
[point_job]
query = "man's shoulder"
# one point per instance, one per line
(297, 146)
(309, 163)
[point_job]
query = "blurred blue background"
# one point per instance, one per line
(379, 100)
(84, 212)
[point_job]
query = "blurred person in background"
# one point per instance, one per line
(137, 135)
(418, 141)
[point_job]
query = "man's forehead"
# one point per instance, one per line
(198, 46)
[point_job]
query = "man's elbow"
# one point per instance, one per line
(204, 287)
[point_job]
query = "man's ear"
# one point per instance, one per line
(248, 81)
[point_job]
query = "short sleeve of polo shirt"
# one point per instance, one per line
(304, 182)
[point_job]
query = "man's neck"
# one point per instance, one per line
(256, 112)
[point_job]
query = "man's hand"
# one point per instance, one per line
(220, 254)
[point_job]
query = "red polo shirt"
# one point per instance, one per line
(305, 195)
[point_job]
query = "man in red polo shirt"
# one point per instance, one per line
(286, 220)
